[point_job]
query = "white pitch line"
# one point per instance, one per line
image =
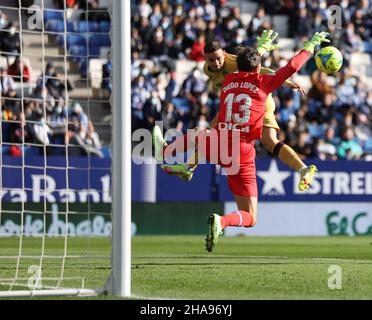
(365, 261)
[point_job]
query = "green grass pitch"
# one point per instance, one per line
(178, 267)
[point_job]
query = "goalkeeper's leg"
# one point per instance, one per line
(284, 152)
(289, 157)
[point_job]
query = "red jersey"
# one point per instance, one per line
(243, 97)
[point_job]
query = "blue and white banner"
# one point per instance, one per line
(84, 180)
(335, 181)
(80, 180)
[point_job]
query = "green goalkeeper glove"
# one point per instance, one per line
(264, 43)
(315, 40)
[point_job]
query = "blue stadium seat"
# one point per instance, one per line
(87, 26)
(76, 52)
(53, 15)
(58, 139)
(59, 26)
(26, 149)
(316, 130)
(55, 25)
(182, 103)
(61, 41)
(5, 149)
(313, 106)
(75, 39)
(367, 147)
(5, 131)
(94, 50)
(71, 27)
(33, 151)
(104, 26)
(72, 39)
(77, 44)
(100, 40)
(106, 152)
(83, 67)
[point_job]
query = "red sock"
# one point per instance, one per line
(238, 218)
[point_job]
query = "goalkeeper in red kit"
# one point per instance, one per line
(240, 123)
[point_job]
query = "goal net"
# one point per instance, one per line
(55, 178)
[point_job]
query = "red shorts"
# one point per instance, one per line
(237, 157)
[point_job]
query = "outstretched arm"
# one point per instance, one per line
(287, 83)
(273, 82)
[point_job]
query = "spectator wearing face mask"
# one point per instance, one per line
(202, 106)
(152, 110)
(54, 83)
(170, 116)
(203, 122)
(194, 85)
(172, 89)
(58, 118)
(136, 41)
(156, 16)
(158, 47)
(80, 119)
(166, 24)
(3, 20)
(7, 84)
(177, 49)
(237, 40)
(363, 129)
(256, 22)
(144, 9)
(210, 10)
(40, 129)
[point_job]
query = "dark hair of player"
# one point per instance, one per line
(248, 59)
(235, 49)
(212, 46)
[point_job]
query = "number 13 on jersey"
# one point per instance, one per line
(244, 102)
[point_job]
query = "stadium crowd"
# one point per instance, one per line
(42, 117)
(331, 122)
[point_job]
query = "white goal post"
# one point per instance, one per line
(120, 281)
(74, 241)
